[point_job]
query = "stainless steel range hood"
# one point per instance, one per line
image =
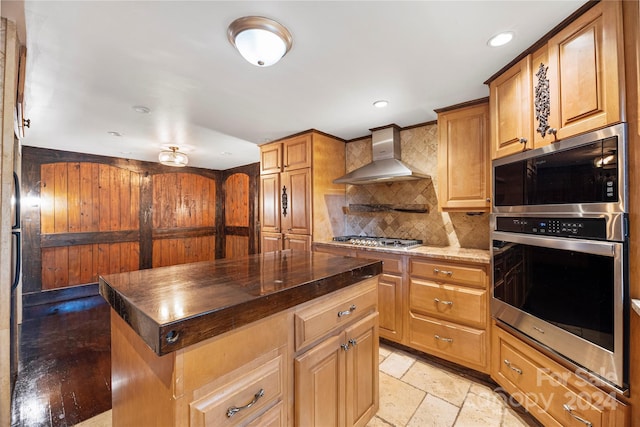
(386, 165)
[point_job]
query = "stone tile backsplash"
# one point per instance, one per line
(419, 149)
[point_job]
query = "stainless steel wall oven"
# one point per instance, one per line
(559, 252)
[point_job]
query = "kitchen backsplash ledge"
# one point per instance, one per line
(419, 147)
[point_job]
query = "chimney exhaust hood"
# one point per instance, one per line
(386, 165)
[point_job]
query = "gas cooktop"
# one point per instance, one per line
(381, 242)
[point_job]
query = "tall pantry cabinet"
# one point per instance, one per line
(298, 201)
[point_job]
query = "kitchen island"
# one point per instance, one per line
(238, 341)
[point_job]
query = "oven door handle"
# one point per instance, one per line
(595, 247)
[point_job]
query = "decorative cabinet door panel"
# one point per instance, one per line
(584, 72)
(463, 159)
(296, 213)
(510, 105)
(297, 153)
(270, 159)
(270, 203)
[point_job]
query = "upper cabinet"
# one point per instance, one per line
(463, 158)
(298, 198)
(510, 105)
(585, 63)
(570, 85)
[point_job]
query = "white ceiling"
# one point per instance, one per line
(90, 62)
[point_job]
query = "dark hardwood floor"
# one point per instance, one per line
(64, 375)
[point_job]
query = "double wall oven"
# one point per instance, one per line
(559, 252)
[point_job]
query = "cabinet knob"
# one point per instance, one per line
(522, 140)
(353, 342)
(553, 131)
(488, 199)
(345, 347)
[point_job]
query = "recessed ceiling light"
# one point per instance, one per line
(501, 39)
(381, 103)
(114, 133)
(141, 109)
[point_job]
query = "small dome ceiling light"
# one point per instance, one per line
(261, 41)
(501, 39)
(172, 157)
(381, 103)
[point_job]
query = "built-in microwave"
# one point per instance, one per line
(580, 174)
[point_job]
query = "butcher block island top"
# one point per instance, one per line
(174, 307)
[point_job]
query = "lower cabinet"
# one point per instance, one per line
(315, 364)
(336, 376)
(271, 242)
(555, 395)
(448, 311)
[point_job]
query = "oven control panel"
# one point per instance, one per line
(583, 228)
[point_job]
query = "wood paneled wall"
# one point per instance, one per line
(87, 215)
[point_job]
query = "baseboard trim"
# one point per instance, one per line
(59, 295)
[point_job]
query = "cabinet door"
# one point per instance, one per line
(270, 242)
(463, 159)
(510, 105)
(320, 385)
(584, 71)
(297, 242)
(270, 158)
(297, 152)
(362, 371)
(296, 212)
(390, 306)
(270, 203)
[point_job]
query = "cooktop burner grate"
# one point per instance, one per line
(385, 242)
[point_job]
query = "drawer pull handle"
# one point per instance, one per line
(235, 409)
(345, 347)
(443, 302)
(577, 418)
(513, 368)
(347, 312)
(445, 272)
(353, 342)
(438, 337)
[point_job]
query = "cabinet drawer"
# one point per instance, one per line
(548, 392)
(456, 343)
(449, 302)
(274, 417)
(246, 394)
(334, 311)
(390, 264)
(444, 272)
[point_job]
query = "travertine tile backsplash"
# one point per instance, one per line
(420, 150)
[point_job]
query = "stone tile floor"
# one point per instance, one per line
(415, 393)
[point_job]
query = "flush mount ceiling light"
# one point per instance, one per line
(501, 39)
(261, 41)
(381, 104)
(172, 157)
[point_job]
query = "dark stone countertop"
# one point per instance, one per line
(173, 307)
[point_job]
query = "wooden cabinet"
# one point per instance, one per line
(511, 110)
(297, 194)
(336, 367)
(554, 395)
(570, 85)
(463, 158)
(390, 293)
(585, 72)
(448, 311)
(201, 384)
(296, 212)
